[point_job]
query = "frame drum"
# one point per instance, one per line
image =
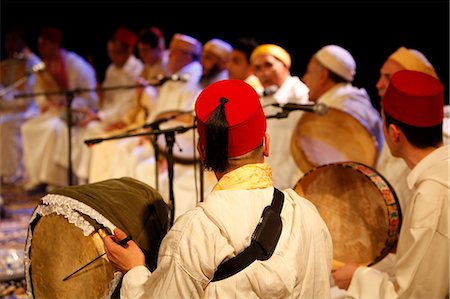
(359, 207)
(63, 236)
(334, 137)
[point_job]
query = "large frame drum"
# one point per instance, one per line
(63, 236)
(334, 137)
(358, 205)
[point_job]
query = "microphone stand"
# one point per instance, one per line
(153, 139)
(282, 114)
(170, 140)
(69, 94)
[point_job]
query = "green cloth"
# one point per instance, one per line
(131, 205)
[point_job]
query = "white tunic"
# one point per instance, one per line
(13, 112)
(220, 228)
(45, 137)
(285, 170)
(422, 257)
(116, 105)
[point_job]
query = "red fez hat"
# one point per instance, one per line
(52, 34)
(126, 36)
(415, 98)
(244, 114)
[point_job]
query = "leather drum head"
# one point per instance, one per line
(359, 207)
(59, 248)
(333, 137)
(184, 149)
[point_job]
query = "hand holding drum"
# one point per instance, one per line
(123, 258)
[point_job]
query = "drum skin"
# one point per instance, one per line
(360, 209)
(58, 249)
(334, 137)
(63, 235)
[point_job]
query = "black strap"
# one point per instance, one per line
(264, 240)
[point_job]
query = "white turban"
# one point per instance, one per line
(338, 60)
(219, 47)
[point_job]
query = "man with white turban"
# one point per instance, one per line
(214, 59)
(329, 76)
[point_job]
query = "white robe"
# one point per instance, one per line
(285, 171)
(220, 228)
(13, 112)
(121, 158)
(45, 137)
(117, 103)
(422, 257)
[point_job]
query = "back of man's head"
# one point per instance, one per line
(414, 101)
(230, 121)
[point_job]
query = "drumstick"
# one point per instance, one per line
(121, 243)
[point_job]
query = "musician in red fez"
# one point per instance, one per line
(412, 111)
(126, 36)
(294, 260)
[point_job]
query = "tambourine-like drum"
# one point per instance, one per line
(63, 235)
(184, 149)
(334, 137)
(358, 205)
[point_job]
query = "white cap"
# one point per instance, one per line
(218, 47)
(337, 60)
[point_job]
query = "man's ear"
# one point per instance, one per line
(266, 144)
(394, 132)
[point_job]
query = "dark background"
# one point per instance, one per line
(369, 30)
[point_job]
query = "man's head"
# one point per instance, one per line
(412, 109)
(121, 46)
(239, 65)
(271, 64)
(184, 49)
(151, 45)
(214, 57)
(49, 42)
(403, 59)
(231, 125)
(328, 66)
(15, 41)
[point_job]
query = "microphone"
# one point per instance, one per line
(37, 68)
(174, 77)
(319, 108)
(268, 91)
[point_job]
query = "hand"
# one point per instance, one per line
(123, 258)
(116, 126)
(89, 116)
(343, 276)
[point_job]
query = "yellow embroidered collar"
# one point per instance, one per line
(249, 176)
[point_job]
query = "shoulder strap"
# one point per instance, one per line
(264, 240)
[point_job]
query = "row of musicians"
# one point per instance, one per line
(171, 79)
